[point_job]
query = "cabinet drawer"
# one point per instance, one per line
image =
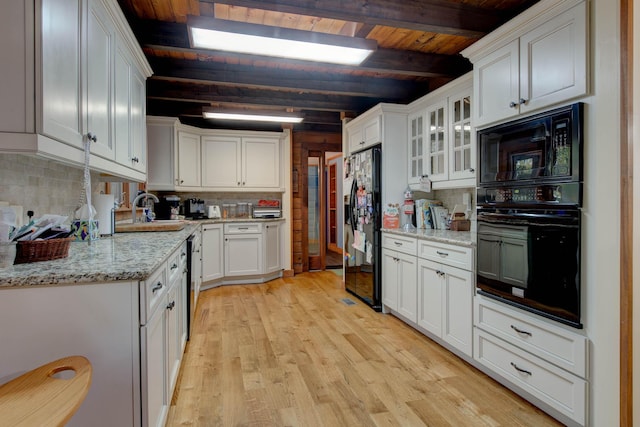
(453, 255)
(559, 389)
(554, 344)
(243, 228)
(174, 263)
(151, 292)
(402, 244)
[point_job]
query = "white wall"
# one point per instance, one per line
(600, 230)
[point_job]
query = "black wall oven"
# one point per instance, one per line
(529, 219)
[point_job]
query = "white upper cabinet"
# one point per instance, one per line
(99, 60)
(193, 159)
(241, 162)
(221, 161)
(60, 67)
(188, 160)
(462, 140)
(441, 137)
(536, 60)
(62, 88)
(364, 132)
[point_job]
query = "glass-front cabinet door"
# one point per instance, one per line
(462, 153)
(436, 137)
(417, 161)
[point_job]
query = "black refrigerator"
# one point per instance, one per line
(363, 220)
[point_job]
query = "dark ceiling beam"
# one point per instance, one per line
(206, 93)
(435, 16)
(169, 36)
(221, 73)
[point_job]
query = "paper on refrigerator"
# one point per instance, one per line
(359, 241)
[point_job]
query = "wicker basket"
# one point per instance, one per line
(42, 250)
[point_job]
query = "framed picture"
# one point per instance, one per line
(526, 165)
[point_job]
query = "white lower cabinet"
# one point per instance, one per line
(154, 359)
(243, 249)
(162, 336)
(445, 293)
(212, 252)
(271, 237)
(545, 360)
(445, 296)
(399, 284)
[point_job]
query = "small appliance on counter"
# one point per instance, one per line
(266, 212)
(194, 208)
(213, 212)
(105, 213)
(168, 207)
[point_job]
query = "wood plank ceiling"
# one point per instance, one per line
(418, 51)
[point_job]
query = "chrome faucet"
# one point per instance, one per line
(135, 202)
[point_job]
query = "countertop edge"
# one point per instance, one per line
(460, 238)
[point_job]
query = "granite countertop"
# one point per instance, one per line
(460, 238)
(123, 256)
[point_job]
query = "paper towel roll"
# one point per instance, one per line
(104, 204)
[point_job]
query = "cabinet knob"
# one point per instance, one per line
(472, 170)
(135, 160)
(523, 101)
(156, 287)
(513, 104)
(92, 137)
(171, 305)
(174, 266)
(238, 183)
(182, 181)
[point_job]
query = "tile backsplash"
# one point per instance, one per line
(41, 185)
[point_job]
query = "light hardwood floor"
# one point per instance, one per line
(291, 353)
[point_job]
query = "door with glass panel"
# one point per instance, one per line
(436, 137)
(417, 160)
(315, 207)
(462, 155)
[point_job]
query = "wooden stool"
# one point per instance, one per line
(38, 398)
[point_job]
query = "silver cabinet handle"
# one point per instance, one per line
(523, 371)
(520, 331)
(442, 253)
(156, 287)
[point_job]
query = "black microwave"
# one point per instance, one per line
(534, 153)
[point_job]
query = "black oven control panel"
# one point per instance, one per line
(565, 194)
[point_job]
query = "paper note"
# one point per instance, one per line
(359, 241)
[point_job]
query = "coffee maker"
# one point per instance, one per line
(194, 208)
(168, 207)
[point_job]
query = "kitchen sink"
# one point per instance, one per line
(158, 225)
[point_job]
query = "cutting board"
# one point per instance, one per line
(150, 226)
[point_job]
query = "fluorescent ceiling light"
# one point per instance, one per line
(256, 117)
(263, 40)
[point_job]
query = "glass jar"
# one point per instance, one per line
(242, 210)
(250, 210)
(233, 213)
(225, 210)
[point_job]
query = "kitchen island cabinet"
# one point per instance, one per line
(57, 96)
(119, 302)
